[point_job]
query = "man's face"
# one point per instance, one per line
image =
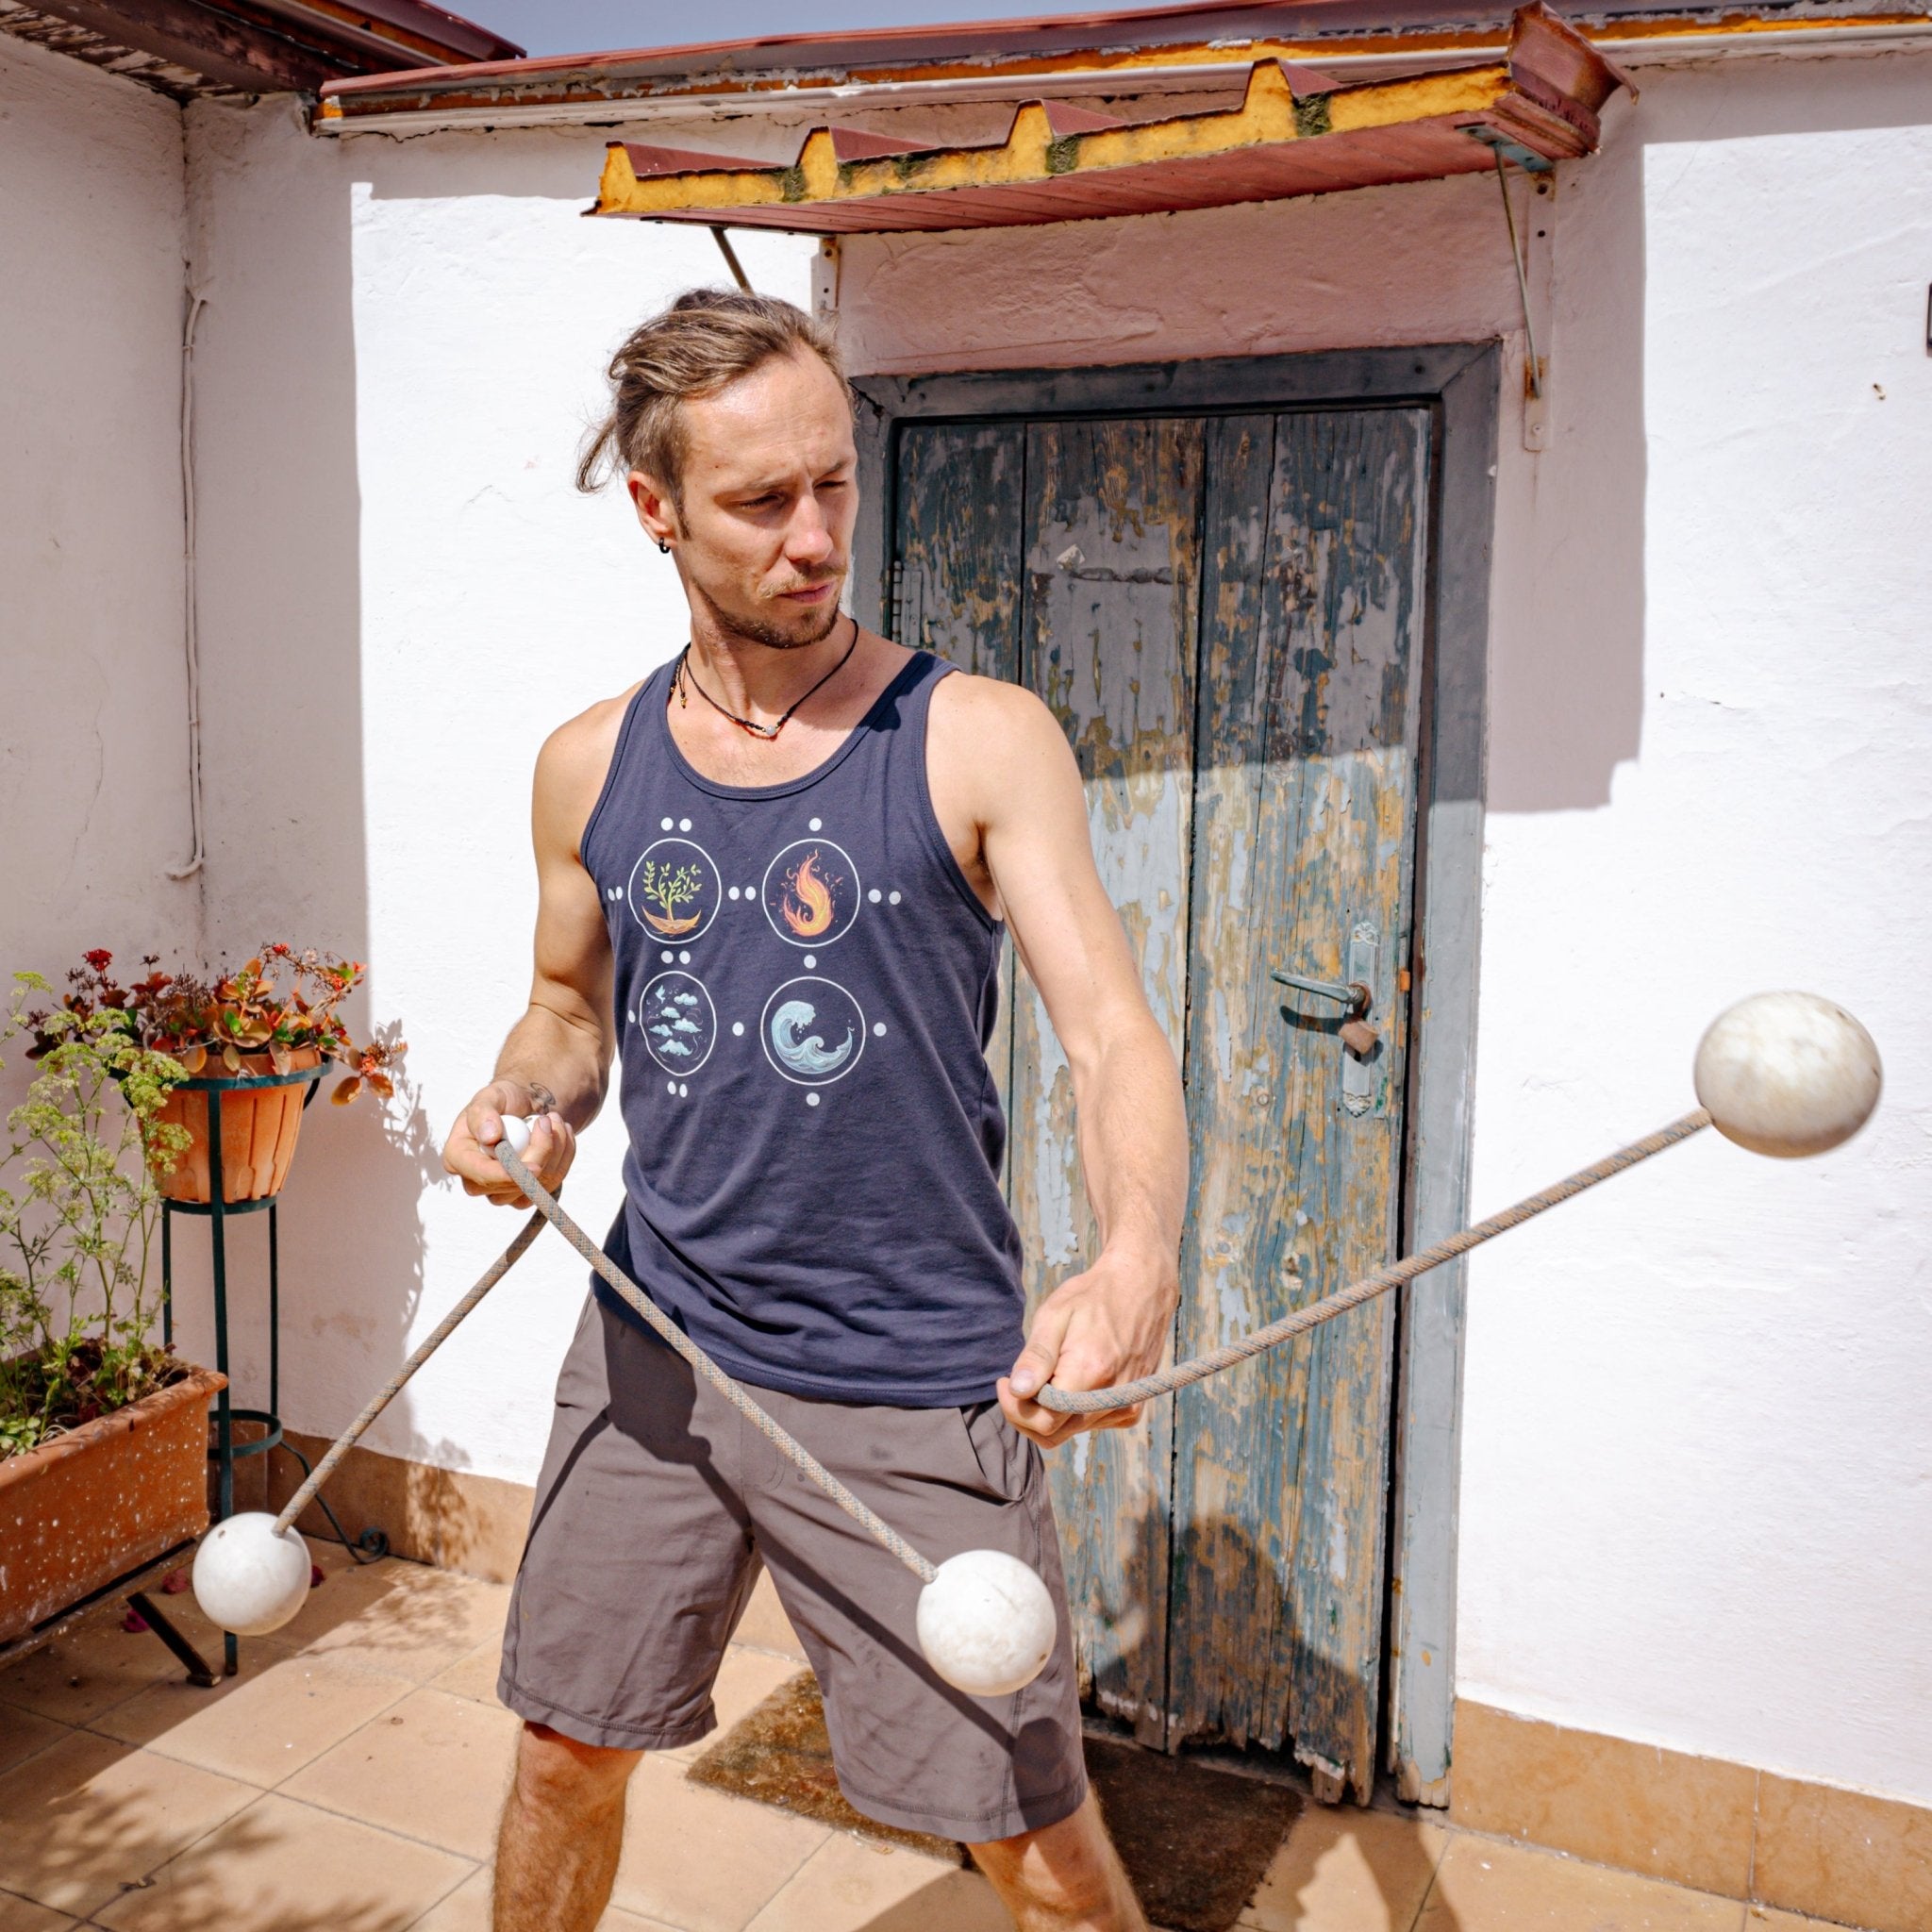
(769, 498)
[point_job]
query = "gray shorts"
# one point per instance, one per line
(656, 1505)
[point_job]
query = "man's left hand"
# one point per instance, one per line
(1107, 1325)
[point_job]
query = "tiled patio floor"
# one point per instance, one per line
(349, 1779)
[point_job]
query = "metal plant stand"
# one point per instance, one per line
(131, 1585)
(224, 1449)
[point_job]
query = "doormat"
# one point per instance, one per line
(779, 1753)
(1196, 1841)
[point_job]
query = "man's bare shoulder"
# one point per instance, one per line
(574, 759)
(588, 738)
(996, 742)
(989, 717)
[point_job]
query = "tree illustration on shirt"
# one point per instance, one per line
(670, 888)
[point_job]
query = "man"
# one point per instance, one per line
(776, 876)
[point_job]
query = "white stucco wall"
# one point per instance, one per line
(404, 594)
(1695, 1497)
(94, 723)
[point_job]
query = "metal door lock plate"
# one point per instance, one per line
(1364, 1063)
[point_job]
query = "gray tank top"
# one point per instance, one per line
(805, 987)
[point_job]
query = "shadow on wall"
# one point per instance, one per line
(1567, 595)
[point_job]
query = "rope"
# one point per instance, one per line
(634, 1297)
(1126, 1394)
(346, 1441)
(1067, 1401)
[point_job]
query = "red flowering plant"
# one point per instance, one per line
(281, 1003)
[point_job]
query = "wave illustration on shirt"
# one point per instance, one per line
(809, 1056)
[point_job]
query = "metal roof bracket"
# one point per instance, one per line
(1536, 361)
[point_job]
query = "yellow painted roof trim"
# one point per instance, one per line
(1269, 114)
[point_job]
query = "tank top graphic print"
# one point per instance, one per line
(805, 984)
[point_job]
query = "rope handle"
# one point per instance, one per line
(1126, 1394)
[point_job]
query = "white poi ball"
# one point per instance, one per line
(248, 1577)
(986, 1622)
(516, 1134)
(1787, 1073)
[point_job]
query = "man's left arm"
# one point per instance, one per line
(1111, 1323)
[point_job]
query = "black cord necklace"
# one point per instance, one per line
(685, 678)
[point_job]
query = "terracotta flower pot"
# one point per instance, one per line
(104, 1498)
(258, 1129)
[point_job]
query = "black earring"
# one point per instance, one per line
(665, 548)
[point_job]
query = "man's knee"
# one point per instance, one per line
(554, 1771)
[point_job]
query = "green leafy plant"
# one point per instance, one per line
(78, 1215)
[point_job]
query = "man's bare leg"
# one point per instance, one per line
(562, 1829)
(1066, 1877)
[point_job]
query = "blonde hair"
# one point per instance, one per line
(707, 339)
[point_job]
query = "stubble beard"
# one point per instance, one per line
(774, 636)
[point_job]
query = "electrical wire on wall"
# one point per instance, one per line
(1534, 373)
(197, 856)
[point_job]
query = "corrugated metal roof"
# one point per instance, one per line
(1297, 131)
(191, 48)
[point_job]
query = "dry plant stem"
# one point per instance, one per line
(787, 1444)
(1124, 1394)
(444, 1330)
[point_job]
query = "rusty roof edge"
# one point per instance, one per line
(506, 94)
(731, 66)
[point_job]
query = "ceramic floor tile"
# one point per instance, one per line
(745, 1679)
(1484, 1884)
(701, 1861)
(475, 1674)
(19, 1914)
(765, 1625)
(262, 1728)
(1343, 1870)
(433, 1767)
(75, 1678)
(23, 1732)
(467, 1909)
(852, 1883)
(402, 1618)
(283, 1867)
(88, 1817)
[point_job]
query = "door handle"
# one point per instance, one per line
(1357, 1034)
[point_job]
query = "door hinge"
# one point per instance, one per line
(909, 605)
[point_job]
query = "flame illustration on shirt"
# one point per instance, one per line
(808, 902)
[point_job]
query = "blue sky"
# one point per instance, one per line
(585, 27)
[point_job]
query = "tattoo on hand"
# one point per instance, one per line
(546, 1101)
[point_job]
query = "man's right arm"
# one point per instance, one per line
(555, 1065)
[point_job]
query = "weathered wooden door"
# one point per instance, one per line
(1226, 613)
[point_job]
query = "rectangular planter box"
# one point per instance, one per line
(101, 1500)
